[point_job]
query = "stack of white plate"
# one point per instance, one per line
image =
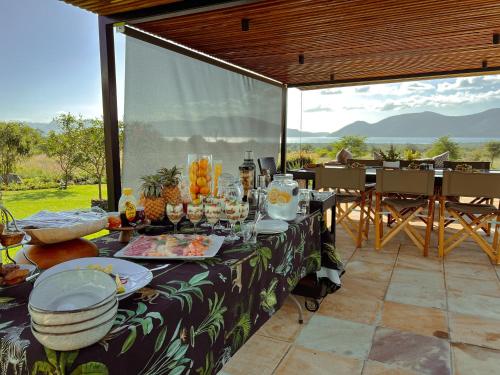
(73, 309)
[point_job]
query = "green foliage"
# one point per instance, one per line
(444, 144)
(183, 293)
(171, 359)
(493, 150)
(241, 330)
(31, 184)
(65, 146)
(93, 160)
(411, 154)
(132, 320)
(268, 298)
(259, 262)
(296, 160)
(208, 368)
(62, 364)
(213, 322)
(355, 144)
(390, 155)
(16, 142)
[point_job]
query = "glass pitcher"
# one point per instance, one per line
(282, 197)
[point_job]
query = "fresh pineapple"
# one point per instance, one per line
(154, 204)
(170, 183)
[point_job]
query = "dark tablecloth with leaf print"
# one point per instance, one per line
(191, 319)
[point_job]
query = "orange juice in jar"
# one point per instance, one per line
(217, 173)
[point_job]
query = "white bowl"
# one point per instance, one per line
(72, 290)
(76, 316)
(73, 340)
(77, 326)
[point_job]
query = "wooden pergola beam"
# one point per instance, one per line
(110, 111)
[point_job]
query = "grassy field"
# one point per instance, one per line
(26, 203)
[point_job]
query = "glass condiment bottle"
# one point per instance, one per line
(247, 173)
(127, 207)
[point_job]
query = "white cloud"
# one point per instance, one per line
(330, 92)
(319, 108)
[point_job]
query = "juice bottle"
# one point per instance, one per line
(127, 206)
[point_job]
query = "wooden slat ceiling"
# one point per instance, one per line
(107, 7)
(349, 39)
(352, 39)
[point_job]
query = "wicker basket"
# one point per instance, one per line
(12, 238)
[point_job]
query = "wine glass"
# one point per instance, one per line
(204, 199)
(175, 212)
(212, 211)
(194, 213)
(221, 202)
(244, 209)
(232, 210)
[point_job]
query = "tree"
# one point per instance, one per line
(444, 144)
(16, 142)
(493, 150)
(93, 160)
(65, 146)
(356, 144)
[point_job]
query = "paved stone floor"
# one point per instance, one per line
(397, 313)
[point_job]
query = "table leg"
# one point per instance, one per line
(299, 308)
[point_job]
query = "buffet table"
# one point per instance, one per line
(192, 317)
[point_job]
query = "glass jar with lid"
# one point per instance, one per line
(247, 173)
(282, 197)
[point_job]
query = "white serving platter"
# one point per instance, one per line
(215, 245)
(137, 276)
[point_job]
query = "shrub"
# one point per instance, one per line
(35, 183)
(296, 160)
(411, 154)
(443, 144)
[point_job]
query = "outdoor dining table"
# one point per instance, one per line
(371, 174)
(191, 318)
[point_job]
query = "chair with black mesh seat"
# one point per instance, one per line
(269, 164)
(405, 195)
(369, 163)
(478, 165)
(407, 163)
(472, 217)
(351, 193)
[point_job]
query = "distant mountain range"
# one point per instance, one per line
(423, 124)
(412, 125)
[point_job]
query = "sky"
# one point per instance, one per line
(331, 109)
(50, 64)
(49, 61)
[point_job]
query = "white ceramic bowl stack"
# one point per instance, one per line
(73, 309)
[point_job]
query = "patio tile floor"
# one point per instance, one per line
(397, 313)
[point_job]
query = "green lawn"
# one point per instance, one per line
(26, 203)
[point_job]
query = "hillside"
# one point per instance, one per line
(428, 124)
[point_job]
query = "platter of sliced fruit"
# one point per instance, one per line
(172, 246)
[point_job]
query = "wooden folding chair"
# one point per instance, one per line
(351, 192)
(396, 192)
(472, 217)
(477, 166)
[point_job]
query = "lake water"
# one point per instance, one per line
(390, 140)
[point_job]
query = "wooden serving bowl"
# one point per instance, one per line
(46, 256)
